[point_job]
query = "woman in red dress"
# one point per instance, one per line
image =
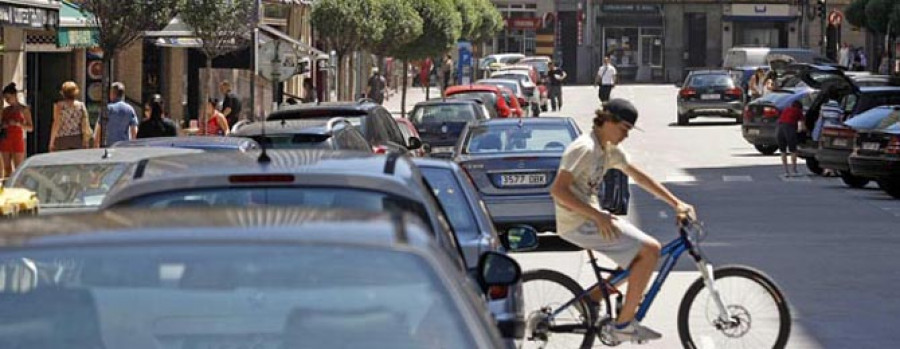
(216, 123)
(15, 121)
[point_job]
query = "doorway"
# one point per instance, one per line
(695, 27)
(568, 24)
(44, 75)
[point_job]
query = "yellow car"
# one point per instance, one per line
(17, 201)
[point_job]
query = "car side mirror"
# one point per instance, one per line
(520, 238)
(497, 269)
(414, 143)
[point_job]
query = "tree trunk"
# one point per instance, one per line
(204, 101)
(403, 94)
(104, 98)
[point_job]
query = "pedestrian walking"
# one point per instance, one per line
(71, 127)
(231, 103)
(607, 77)
(581, 221)
(556, 76)
(376, 87)
(756, 85)
(216, 123)
(156, 125)
(16, 120)
(122, 121)
(447, 71)
(789, 123)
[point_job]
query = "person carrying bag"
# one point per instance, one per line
(71, 125)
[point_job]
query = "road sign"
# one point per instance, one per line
(835, 17)
(286, 64)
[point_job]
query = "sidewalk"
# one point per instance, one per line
(413, 95)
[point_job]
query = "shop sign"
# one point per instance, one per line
(641, 8)
(28, 16)
(523, 23)
(760, 10)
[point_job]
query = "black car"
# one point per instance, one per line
(336, 133)
(709, 93)
(440, 122)
(374, 121)
(761, 116)
(877, 155)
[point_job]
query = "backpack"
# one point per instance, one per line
(614, 193)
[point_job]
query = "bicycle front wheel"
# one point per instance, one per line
(759, 312)
(545, 292)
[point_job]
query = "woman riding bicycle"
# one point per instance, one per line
(581, 221)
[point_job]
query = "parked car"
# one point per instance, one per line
(475, 231)
(440, 122)
(207, 143)
(257, 277)
(490, 95)
(540, 63)
(409, 131)
(709, 93)
(518, 110)
(336, 133)
(513, 85)
(78, 180)
(513, 163)
(526, 77)
(497, 60)
(743, 61)
(374, 122)
(761, 116)
(295, 178)
(877, 155)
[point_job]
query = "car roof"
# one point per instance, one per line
(327, 109)
(435, 163)
(473, 88)
(698, 72)
(549, 120)
(110, 155)
(276, 127)
(190, 224)
(535, 58)
(444, 101)
(213, 142)
(493, 81)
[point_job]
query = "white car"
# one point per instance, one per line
(528, 85)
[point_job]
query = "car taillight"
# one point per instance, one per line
(497, 292)
(265, 178)
(735, 91)
(687, 92)
(379, 149)
(893, 146)
(770, 112)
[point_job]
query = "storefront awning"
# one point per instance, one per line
(759, 18)
(76, 27)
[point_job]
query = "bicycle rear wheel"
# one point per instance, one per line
(759, 311)
(545, 291)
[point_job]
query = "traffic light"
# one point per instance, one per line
(820, 8)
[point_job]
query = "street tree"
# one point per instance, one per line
(440, 30)
(855, 13)
(470, 18)
(491, 21)
(346, 26)
(119, 24)
(878, 17)
(402, 25)
(223, 26)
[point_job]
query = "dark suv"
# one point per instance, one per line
(336, 134)
(376, 123)
(709, 93)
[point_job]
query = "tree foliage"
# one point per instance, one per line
(347, 25)
(491, 21)
(222, 26)
(470, 18)
(856, 13)
(402, 25)
(440, 30)
(878, 14)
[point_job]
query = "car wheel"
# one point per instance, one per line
(853, 181)
(813, 165)
(890, 186)
(683, 119)
(766, 149)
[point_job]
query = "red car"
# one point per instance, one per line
(409, 131)
(490, 95)
(510, 97)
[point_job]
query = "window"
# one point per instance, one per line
(707, 80)
(443, 113)
(452, 199)
(622, 45)
(80, 185)
(512, 139)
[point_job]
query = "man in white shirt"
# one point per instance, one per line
(607, 76)
(581, 221)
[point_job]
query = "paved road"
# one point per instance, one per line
(827, 246)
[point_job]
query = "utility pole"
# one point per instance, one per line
(821, 11)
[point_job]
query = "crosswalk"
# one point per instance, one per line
(681, 178)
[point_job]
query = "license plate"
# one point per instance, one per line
(840, 142)
(511, 180)
(442, 149)
(753, 131)
(709, 96)
(871, 146)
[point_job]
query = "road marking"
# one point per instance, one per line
(737, 178)
(680, 179)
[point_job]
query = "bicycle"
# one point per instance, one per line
(722, 320)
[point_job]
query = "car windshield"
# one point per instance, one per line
(293, 141)
(316, 197)
(429, 114)
(711, 80)
(212, 295)
(512, 138)
(513, 85)
(517, 77)
(485, 96)
(452, 199)
(76, 185)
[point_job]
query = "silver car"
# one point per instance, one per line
(709, 93)
(239, 278)
(78, 180)
(513, 162)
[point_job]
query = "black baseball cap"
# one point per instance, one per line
(623, 110)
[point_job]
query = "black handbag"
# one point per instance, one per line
(614, 193)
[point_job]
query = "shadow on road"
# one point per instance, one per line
(553, 243)
(705, 124)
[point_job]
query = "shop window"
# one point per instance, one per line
(622, 46)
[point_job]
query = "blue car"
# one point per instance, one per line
(513, 162)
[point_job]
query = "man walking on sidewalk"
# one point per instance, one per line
(607, 76)
(556, 77)
(122, 121)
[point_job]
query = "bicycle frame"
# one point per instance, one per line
(671, 253)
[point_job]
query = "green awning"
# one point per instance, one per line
(76, 27)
